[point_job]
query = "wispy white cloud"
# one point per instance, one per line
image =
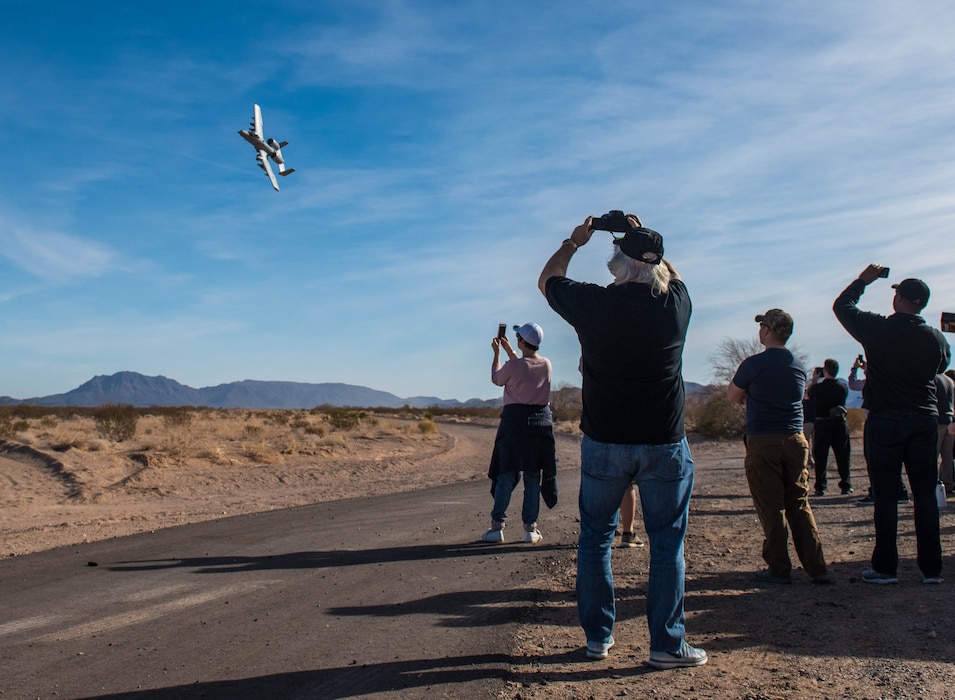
(57, 257)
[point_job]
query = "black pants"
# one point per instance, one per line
(831, 433)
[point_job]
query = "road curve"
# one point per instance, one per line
(391, 596)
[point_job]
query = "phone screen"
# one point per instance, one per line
(948, 322)
(501, 330)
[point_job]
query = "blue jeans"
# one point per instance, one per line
(664, 477)
(895, 439)
(506, 483)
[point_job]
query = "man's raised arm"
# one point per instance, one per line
(557, 265)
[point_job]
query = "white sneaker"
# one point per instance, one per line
(493, 535)
(598, 650)
(532, 536)
(686, 657)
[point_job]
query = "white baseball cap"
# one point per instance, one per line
(531, 333)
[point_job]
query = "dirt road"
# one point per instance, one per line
(391, 597)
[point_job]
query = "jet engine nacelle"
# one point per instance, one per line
(276, 153)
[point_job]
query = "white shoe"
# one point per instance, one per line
(598, 650)
(492, 535)
(686, 657)
(532, 536)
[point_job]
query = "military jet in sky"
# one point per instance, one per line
(267, 148)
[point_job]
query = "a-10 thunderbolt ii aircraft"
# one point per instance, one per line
(267, 148)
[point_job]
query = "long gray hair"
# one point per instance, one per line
(625, 269)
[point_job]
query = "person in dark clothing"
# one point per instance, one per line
(631, 334)
(831, 429)
(903, 356)
(857, 384)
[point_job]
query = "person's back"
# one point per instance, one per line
(632, 346)
(830, 396)
(526, 380)
(903, 356)
(631, 336)
(771, 385)
(774, 381)
(524, 445)
(945, 397)
(831, 429)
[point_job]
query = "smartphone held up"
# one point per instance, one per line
(501, 330)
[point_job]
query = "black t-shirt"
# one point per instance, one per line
(632, 358)
(827, 395)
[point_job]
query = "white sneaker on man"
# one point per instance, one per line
(599, 650)
(686, 657)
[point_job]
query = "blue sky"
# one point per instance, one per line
(442, 152)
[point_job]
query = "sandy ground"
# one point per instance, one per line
(848, 640)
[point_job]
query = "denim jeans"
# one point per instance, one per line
(664, 477)
(505, 485)
(895, 439)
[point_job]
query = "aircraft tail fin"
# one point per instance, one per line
(283, 144)
(286, 171)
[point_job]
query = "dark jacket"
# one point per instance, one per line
(525, 443)
(904, 355)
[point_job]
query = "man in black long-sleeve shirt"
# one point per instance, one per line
(904, 355)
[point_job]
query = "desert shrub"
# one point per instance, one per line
(300, 423)
(6, 424)
(714, 416)
(252, 431)
(565, 403)
(317, 430)
(278, 418)
(116, 422)
(856, 419)
(428, 427)
(344, 419)
(177, 418)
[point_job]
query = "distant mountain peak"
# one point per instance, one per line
(136, 389)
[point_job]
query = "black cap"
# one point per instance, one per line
(643, 244)
(914, 290)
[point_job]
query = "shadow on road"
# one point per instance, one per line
(343, 682)
(328, 559)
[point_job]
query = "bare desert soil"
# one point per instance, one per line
(847, 640)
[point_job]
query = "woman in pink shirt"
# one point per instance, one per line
(525, 437)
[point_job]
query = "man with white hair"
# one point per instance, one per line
(631, 336)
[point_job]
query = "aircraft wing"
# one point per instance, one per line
(257, 121)
(263, 161)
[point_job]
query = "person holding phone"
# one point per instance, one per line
(904, 354)
(524, 445)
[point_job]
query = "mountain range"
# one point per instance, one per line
(139, 390)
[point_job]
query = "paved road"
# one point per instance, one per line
(387, 597)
